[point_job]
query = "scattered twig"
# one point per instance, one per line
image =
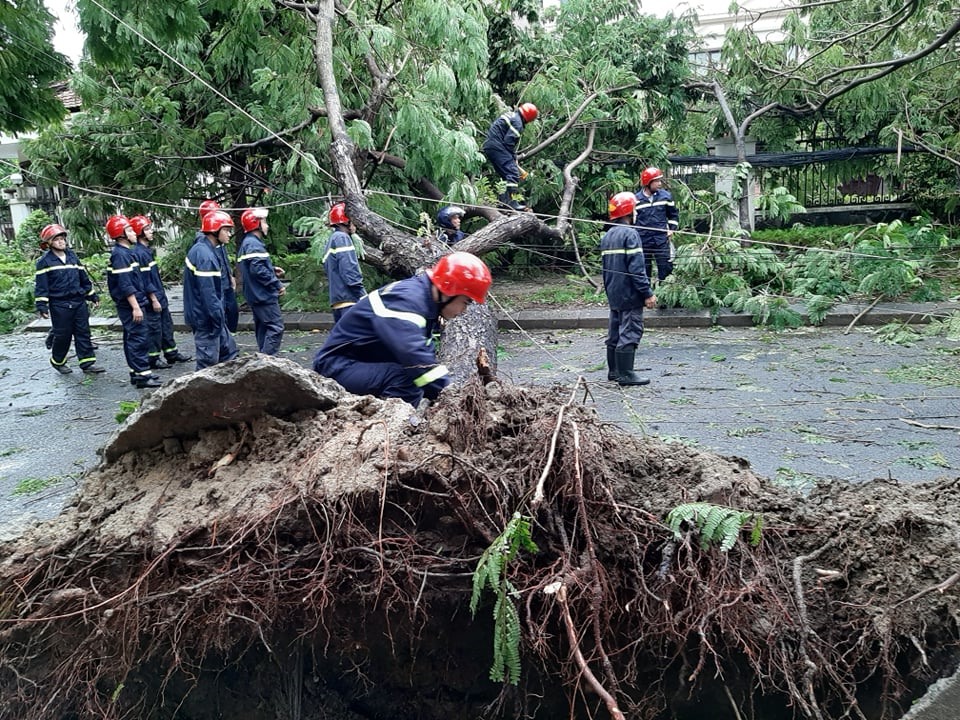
(925, 426)
(861, 314)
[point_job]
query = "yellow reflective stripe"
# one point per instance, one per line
(506, 117)
(658, 202)
(251, 256)
(342, 305)
(433, 374)
(81, 361)
(51, 268)
(42, 299)
(115, 271)
(202, 273)
(383, 311)
(334, 251)
(621, 251)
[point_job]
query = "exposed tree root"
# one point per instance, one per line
(326, 572)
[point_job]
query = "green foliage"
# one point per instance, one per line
(16, 288)
(127, 408)
(28, 234)
(28, 66)
(715, 524)
(778, 204)
(491, 573)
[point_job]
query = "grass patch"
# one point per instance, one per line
(927, 462)
(33, 412)
(33, 485)
(127, 408)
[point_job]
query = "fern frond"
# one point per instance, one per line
(715, 524)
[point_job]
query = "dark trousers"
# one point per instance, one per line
(656, 248)
(231, 309)
(136, 342)
(162, 342)
(214, 346)
(505, 164)
(71, 322)
(625, 328)
(383, 380)
(268, 326)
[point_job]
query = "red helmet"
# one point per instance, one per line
(116, 225)
(51, 231)
(649, 175)
(338, 214)
(528, 111)
(214, 220)
(621, 205)
(250, 220)
(139, 223)
(461, 273)
(208, 205)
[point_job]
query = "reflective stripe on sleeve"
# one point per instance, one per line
(621, 251)
(334, 251)
(252, 256)
(381, 310)
(202, 273)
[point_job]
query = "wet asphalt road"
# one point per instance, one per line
(799, 405)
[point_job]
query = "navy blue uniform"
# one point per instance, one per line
(656, 214)
(203, 306)
(449, 236)
(626, 284)
(162, 340)
(231, 309)
(125, 280)
(61, 290)
(343, 273)
(261, 288)
(384, 345)
(500, 147)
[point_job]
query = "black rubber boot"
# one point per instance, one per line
(92, 369)
(49, 341)
(611, 363)
(179, 357)
(626, 375)
(507, 200)
(146, 382)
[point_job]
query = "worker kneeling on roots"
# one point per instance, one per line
(383, 345)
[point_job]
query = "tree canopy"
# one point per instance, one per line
(29, 64)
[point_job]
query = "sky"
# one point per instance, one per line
(67, 36)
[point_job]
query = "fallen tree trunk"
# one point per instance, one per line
(301, 552)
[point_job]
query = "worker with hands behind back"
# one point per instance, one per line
(628, 289)
(203, 288)
(262, 287)
(126, 284)
(383, 347)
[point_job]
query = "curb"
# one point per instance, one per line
(596, 318)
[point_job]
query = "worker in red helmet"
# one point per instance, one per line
(262, 287)
(163, 351)
(628, 289)
(341, 263)
(231, 307)
(203, 288)
(62, 289)
(500, 148)
(657, 219)
(127, 288)
(382, 346)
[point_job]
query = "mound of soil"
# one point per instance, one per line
(259, 544)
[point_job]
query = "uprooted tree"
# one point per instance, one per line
(259, 544)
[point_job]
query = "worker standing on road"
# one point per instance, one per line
(231, 309)
(500, 148)
(448, 226)
(262, 287)
(203, 288)
(627, 287)
(657, 219)
(341, 263)
(163, 351)
(126, 284)
(62, 289)
(383, 346)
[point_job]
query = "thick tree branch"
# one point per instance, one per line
(572, 120)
